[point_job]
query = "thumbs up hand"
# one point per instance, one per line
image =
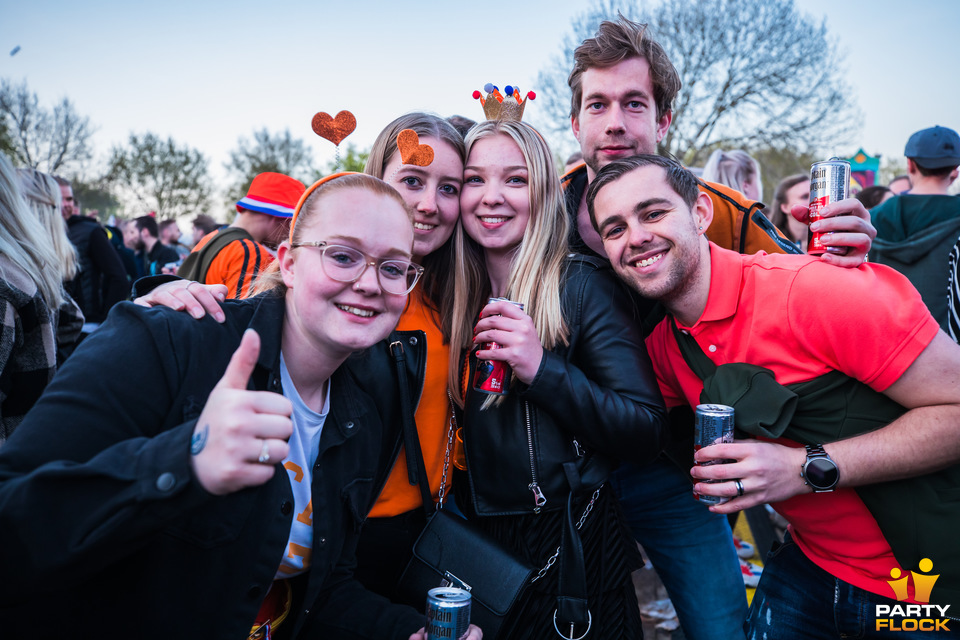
(241, 434)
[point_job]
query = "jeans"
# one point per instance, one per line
(690, 547)
(796, 599)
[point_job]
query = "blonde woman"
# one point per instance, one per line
(736, 169)
(583, 393)
(39, 319)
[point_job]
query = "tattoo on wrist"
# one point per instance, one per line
(199, 439)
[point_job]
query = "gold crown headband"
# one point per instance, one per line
(496, 106)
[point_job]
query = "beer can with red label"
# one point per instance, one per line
(493, 376)
(829, 183)
(713, 424)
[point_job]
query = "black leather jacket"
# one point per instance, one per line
(592, 402)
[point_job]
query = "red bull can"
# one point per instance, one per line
(713, 424)
(829, 182)
(448, 613)
(493, 376)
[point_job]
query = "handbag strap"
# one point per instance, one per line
(572, 606)
(416, 471)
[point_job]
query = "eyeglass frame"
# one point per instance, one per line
(368, 262)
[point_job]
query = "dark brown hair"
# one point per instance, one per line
(619, 41)
(683, 182)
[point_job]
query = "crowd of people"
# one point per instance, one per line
(227, 456)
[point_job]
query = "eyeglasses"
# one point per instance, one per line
(346, 264)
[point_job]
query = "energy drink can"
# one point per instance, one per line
(713, 424)
(493, 376)
(829, 183)
(448, 613)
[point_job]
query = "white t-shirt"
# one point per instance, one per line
(304, 445)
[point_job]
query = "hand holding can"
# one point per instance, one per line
(713, 424)
(493, 376)
(829, 183)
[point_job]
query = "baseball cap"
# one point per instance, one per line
(934, 148)
(273, 194)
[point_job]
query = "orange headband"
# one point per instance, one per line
(311, 189)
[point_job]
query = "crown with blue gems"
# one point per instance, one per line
(496, 106)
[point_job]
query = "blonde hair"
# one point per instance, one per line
(270, 279)
(436, 285)
(734, 169)
(425, 125)
(537, 272)
(42, 193)
(24, 240)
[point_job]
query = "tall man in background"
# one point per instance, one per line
(234, 256)
(101, 281)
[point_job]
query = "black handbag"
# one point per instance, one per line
(451, 552)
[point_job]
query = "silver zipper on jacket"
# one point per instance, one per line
(538, 498)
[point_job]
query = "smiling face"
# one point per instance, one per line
(433, 192)
(618, 115)
(495, 203)
(652, 237)
(337, 318)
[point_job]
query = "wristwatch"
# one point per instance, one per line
(819, 471)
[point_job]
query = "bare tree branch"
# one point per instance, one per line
(280, 153)
(45, 140)
(153, 174)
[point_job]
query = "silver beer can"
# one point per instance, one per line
(713, 424)
(829, 183)
(448, 613)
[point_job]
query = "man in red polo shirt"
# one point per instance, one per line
(803, 320)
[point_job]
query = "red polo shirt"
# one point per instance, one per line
(802, 318)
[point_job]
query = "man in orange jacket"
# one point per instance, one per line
(236, 255)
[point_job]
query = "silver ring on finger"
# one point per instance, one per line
(264, 457)
(739, 487)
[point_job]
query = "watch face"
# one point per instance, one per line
(822, 473)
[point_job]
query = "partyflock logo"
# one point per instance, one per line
(913, 617)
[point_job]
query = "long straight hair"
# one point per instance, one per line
(42, 193)
(537, 270)
(25, 242)
(436, 285)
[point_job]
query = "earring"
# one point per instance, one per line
(701, 228)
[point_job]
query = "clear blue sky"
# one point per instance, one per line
(208, 72)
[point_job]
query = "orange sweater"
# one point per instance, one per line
(432, 416)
